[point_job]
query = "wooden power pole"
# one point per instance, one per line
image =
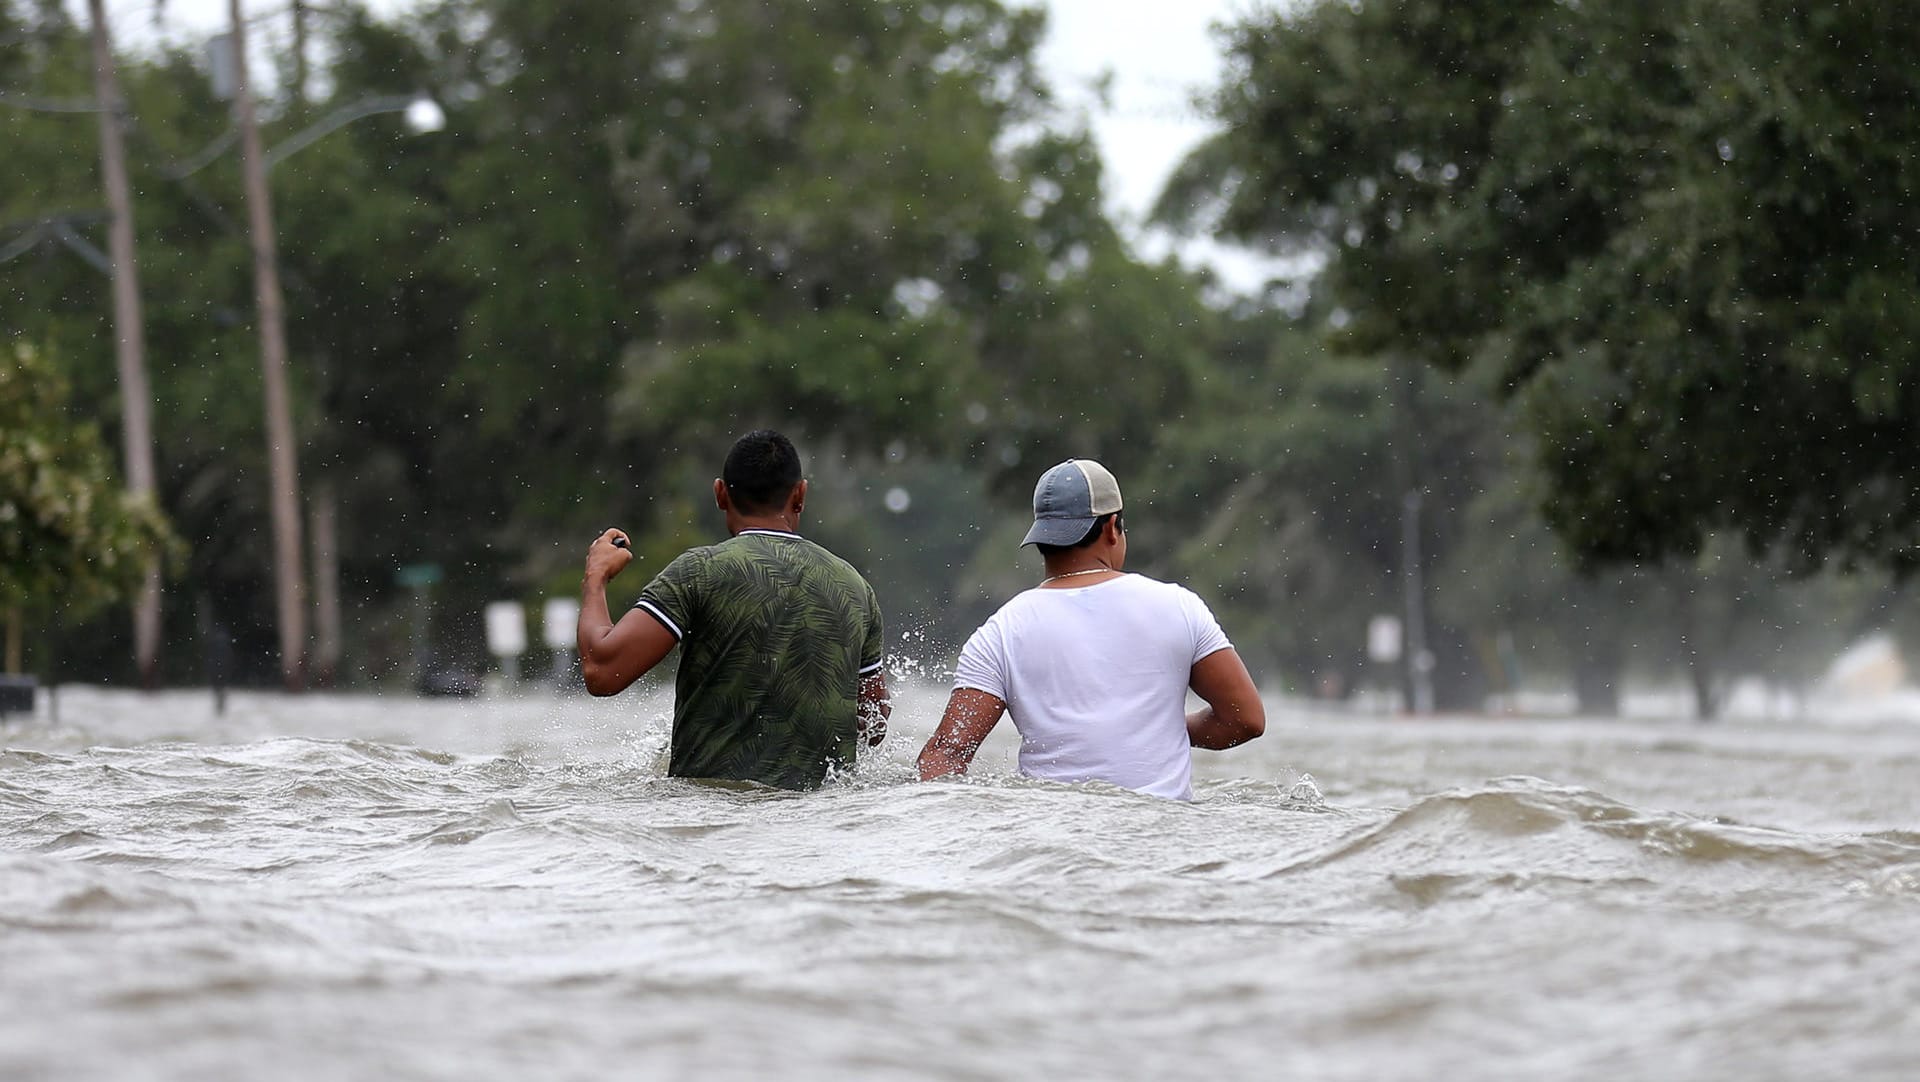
(282, 462)
(130, 348)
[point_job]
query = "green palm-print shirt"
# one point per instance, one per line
(775, 634)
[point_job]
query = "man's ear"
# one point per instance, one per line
(797, 501)
(720, 498)
(1113, 531)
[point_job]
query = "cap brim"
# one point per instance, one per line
(1059, 531)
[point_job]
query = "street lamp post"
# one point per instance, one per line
(423, 115)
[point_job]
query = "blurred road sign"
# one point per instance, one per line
(1383, 638)
(415, 576)
(560, 622)
(506, 628)
(221, 69)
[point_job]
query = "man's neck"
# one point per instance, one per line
(1076, 567)
(776, 523)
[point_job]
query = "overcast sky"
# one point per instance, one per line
(1159, 53)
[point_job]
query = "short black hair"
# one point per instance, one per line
(761, 470)
(1093, 534)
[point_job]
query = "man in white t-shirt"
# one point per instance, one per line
(1094, 664)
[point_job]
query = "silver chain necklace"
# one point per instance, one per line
(1070, 574)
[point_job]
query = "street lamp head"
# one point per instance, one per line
(424, 116)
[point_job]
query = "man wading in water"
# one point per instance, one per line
(780, 668)
(1094, 664)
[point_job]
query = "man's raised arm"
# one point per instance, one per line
(613, 656)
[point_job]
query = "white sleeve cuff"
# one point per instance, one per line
(654, 611)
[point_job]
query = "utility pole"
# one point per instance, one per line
(1410, 435)
(299, 54)
(1419, 657)
(283, 470)
(130, 348)
(323, 509)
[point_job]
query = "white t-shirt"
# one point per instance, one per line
(1095, 678)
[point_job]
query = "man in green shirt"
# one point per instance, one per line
(780, 667)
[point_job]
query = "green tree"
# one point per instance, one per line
(644, 229)
(71, 538)
(821, 219)
(1279, 493)
(1676, 232)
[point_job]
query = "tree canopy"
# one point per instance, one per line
(1675, 234)
(69, 534)
(647, 227)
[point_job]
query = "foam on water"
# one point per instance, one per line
(339, 887)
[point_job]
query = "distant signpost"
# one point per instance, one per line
(507, 636)
(418, 578)
(559, 622)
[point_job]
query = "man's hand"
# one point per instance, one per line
(609, 555)
(873, 708)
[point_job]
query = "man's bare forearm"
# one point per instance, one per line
(594, 631)
(595, 624)
(942, 757)
(971, 714)
(1234, 713)
(596, 619)
(1207, 729)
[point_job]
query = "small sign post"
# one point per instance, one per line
(419, 578)
(559, 628)
(507, 636)
(1383, 639)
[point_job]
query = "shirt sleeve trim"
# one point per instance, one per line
(875, 667)
(960, 682)
(653, 610)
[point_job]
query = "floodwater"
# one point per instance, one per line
(338, 887)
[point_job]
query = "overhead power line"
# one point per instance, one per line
(48, 105)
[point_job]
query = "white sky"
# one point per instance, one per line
(1160, 53)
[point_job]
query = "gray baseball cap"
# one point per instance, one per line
(1069, 499)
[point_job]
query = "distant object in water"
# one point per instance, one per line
(220, 664)
(16, 694)
(1870, 667)
(449, 682)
